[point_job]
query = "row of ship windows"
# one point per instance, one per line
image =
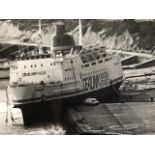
(86, 65)
(69, 78)
(93, 63)
(52, 64)
(90, 73)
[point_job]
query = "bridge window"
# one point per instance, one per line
(100, 61)
(86, 65)
(107, 59)
(89, 51)
(93, 63)
(32, 57)
(42, 56)
(104, 55)
(92, 57)
(84, 59)
(37, 56)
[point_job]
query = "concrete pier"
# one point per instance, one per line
(114, 118)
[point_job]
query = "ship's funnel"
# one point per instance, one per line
(61, 40)
(59, 29)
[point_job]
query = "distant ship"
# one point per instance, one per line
(47, 78)
(138, 88)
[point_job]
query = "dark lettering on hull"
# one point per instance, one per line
(95, 81)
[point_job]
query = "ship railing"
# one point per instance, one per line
(86, 58)
(17, 84)
(33, 83)
(88, 55)
(43, 56)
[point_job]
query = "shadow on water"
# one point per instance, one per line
(52, 117)
(43, 126)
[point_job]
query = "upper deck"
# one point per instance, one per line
(59, 63)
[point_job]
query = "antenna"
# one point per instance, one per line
(40, 34)
(39, 26)
(80, 33)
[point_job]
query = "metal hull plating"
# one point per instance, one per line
(106, 94)
(29, 94)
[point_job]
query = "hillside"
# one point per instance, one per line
(118, 34)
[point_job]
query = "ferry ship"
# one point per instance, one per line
(65, 73)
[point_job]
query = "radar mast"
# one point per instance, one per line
(80, 32)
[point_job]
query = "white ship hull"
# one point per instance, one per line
(30, 94)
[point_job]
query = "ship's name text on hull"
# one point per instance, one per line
(34, 73)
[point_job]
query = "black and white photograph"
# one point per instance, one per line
(77, 76)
